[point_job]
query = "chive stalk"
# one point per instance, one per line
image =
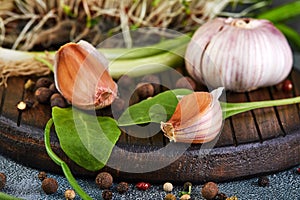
(230, 109)
(5, 196)
(66, 170)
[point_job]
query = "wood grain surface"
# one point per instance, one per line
(252, 143)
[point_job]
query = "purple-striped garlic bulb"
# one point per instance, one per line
(198, 118)
(239, 54)
(81, 76)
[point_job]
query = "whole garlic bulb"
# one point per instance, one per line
(198, 118)
(81, 76)
(240, 54)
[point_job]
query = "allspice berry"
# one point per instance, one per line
(70, 194)
(43, 82)
(58, 100)
(145, 90)
(49, 185)
(170, 197)
(53, 88)
(186, 82)
(42, 175)
(209, 190)
(154, 80)
(104, 180)
(2, 180)
(122, 187)
(43, 94)
(107, 194)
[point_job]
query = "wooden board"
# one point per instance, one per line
(252, 143)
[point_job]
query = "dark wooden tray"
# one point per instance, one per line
(253, 143)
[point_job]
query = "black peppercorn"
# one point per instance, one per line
(186, 82)
(209, 190)
(49, 185)
(122, 187)
(57, 99)
(2, 180)
(42, 175)
(107, 194)
(263, 181)
(104, 180)
(43, 82)
(145, 90)
(170, 197)
(43, 95)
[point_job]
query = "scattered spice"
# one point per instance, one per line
(287, 85)
(53, 88)
(154, 80)
(122, 187)
(145, 90)
(43, 94)
(104, 180)
(168, 187)
(2, 180)
(43, 82)
(185, 197)
(221, 196)
(142, 186)
(29, 85)
(42, 175)
(107, 194)
(232, 198)
(186, 82)
(170, 197)
(57, 99)
(263, 181)
(209, 190)
(125, 82)
(70, 194)
(21, 106)
(49, 185)
(187, 186)
(118, 105)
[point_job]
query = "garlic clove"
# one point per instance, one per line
(197, 118)
(81, 76)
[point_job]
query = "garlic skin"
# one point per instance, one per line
(239, 54)
(198, 118)
(81, 76)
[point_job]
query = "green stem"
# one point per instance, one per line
(147, 65)
(231, 109)
(145, 51)
(4, 196)
(292, 35)
(64, 166)
(281, 13)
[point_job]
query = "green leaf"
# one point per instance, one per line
(159, 108)
(86, 139)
